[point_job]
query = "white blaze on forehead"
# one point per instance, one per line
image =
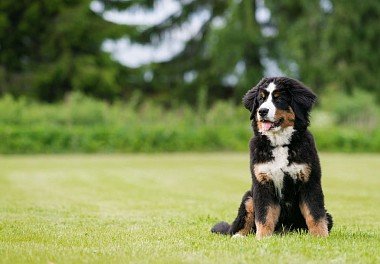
(269, 103)
(271, 88)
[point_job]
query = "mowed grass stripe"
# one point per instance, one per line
(159, 208)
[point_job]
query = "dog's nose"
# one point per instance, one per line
(263, 112)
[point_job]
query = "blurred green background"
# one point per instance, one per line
(152, 76)
(119, 76)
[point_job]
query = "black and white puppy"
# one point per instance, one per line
(286, 191)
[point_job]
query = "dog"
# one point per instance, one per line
(286, 192)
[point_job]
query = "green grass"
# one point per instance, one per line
(159, 208)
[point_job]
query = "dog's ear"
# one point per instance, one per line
(250, 101)
(303, 100)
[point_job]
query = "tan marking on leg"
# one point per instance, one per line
(287, 115)
(316, 227)
(249, 218)
(262, 177)
(304, 174)
(249, 206)
(271, 219)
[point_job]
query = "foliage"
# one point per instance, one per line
(51, 47)
(359, 109)
(211, 56)
(159, 209)
(82, 124)
(331, 42)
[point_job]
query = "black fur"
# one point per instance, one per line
(221, 228)
(301, 150)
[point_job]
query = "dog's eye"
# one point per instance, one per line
(276, 95)
(262, 95)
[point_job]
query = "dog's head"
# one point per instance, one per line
(277, 103)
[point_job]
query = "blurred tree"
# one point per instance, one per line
(49, 47)
(221, 60)
(328, 43)
(352, 36)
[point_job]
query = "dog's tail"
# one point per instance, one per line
(221, 228)
(238, 224)
(330, 221)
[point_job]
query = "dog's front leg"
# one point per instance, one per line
(267, 210)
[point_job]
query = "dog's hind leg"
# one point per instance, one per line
(244, 221)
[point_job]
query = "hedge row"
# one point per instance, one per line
(81, 124)
(50, 139)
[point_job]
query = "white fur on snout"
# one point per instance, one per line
(269, 104)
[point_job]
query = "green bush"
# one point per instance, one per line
(357, 110)
(83, 124)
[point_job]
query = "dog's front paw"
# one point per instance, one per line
(263, 234)
(237, 235)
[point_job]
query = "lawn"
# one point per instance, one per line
(159, 208)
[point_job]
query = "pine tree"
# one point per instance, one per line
(49, 47)
(334, 44)
(352, 34)
(221, 60)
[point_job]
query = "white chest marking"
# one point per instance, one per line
(276, 168)
(280, 136)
